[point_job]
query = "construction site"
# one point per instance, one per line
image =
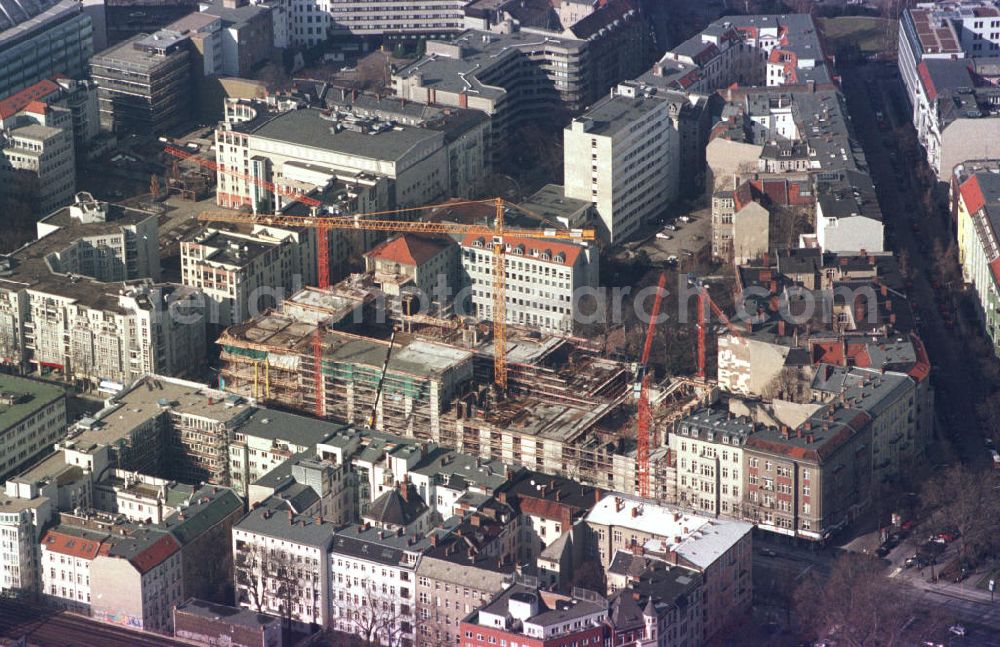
(566, 409)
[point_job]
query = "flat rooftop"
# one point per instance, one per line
(459, 65)
(30, 267)
(307, 127)
(150, 397)
(226, 614)
(702, 539)
(23, 397)
(614, 114)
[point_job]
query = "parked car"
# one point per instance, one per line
(949, 535)
(663, 236)
(996, 458)
(670, 227)
(957, 629)
(686, 219)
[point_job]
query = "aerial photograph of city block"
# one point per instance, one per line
(499, 323)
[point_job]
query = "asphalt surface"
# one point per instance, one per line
(49, 628)
(910, 226)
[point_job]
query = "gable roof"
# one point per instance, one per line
(16, 102)
(407, 249)
(530, 247)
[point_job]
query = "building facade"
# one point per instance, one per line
(43, 39)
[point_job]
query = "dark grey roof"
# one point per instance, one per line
(297, 430)
(273, 519)
(714, 425)
(307, 127)
(395, 509)
(377, 545)
(226, 614)
(208, 506)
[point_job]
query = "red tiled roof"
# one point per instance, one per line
(72, 545)
(571, 252)
(407, 249)
(922, 368)
(155, 554)
(927, 81)
(16, 102)
(37, 107)
(972, 194)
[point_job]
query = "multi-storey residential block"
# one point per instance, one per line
(544, 283)
(510, 78)
(143, 84)
(282, 563)
(978, 250)
(653, 603)
(527, 615)
(709, 448)
(420, 266)
(116, 573)
(245, 274)
(58, 311)
(812, 480)
(373, 582)
(37, 158)
(79, 97)
(40, 39)
(21, 520)
(549, 504)
(32, 419)
(462, 570)
(314, 22)
(719, 549)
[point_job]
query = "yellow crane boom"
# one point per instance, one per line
(371, 222)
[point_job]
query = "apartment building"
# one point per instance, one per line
(811, 480)
(461, 571)
(60, 313)
(978, 249)
(144, 83)
(709, 448)
(305, 149)
(373, 581)
(544, 280)
(718, 548)
(37, 159)
(41, 39)
(79, 97)
(32, 419)
(514, 77)
(425, 268)
(282, 563)
(550, 504)
(20, 522)
(245, 274)
(653, 603)
(525, 614)
(119, 574)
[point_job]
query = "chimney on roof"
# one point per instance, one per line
(558, 494)
(319, 520)
(404, 490)
(798, 432)
(291, 515)
(810, 438)
(434, 539)
(781, 327)
(502, 497)
(474, 520)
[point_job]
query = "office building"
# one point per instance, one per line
(32, 419)
(41, 39)
(144, 84)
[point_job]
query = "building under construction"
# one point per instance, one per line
(567, 410)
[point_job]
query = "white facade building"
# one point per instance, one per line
(709, 450)
(543, 284)
(246, 274)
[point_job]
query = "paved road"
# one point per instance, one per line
(871, 87)
(48, 628)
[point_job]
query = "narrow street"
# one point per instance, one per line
(910, 227)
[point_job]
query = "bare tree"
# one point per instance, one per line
(373, 615)
(251, 574)
(787, 385)
(962, 499)
(857, 605)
